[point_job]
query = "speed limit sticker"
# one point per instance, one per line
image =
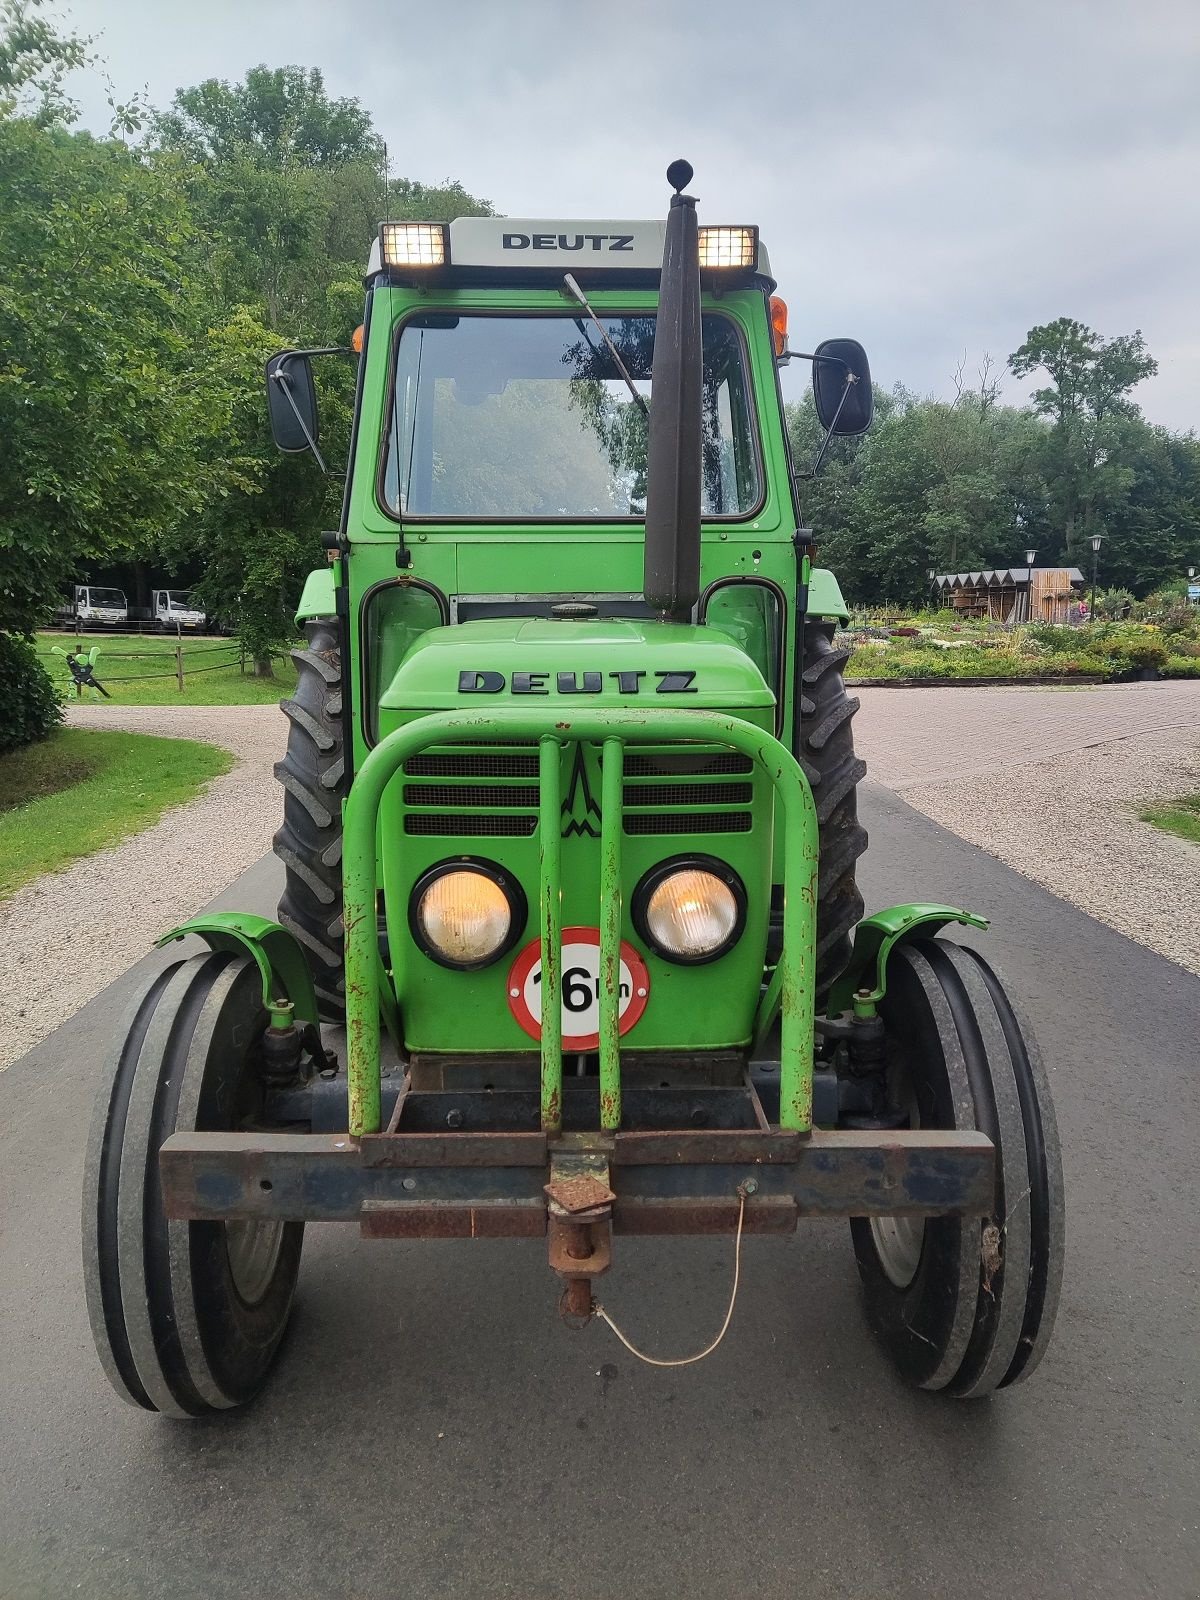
(580, 988)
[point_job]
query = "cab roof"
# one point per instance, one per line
(544, 248)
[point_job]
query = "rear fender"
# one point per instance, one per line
(319, 597)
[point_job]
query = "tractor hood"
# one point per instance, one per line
(511, 660)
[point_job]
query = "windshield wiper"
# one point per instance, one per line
(577, 293)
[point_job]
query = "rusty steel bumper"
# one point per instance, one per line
(501, 1184)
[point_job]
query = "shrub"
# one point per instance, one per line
(1138, 653)
(1053, 639)
(29, 705)
(1181, 667)
(1115, 603)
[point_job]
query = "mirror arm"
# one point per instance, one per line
(804, 355)
(280, 377)
(851, 380)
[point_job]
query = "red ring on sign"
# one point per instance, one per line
(531, 955)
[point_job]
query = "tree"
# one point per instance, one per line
(282, 114)
(287, 186)
(1088, 394)
(102, 301)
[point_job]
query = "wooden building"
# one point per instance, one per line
(1013, 594)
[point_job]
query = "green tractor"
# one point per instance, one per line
(569, 834)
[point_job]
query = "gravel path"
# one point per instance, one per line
(1051, 782)
(116, 903)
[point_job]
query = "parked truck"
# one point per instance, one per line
(570, 837)
(171, 611)
(93, 607)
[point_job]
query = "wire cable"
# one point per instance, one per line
(687, 1361)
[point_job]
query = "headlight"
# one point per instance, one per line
(690, 909)
(466, 913)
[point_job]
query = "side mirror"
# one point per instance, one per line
(292, 402)
(842, 386)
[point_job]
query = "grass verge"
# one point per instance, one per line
(1181, 817)
(140, 670)
(79, 791)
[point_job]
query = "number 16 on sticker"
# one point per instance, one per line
(580, 988)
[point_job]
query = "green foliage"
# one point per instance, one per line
(34, 60)
(969, 484)
(102, 303)
(935, 645)
(141, 291)
(29, 706)
(1087, 404)
(282, 114)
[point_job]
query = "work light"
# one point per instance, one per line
(725, 248)
(466, 913)
(690, 909)
(414, 244)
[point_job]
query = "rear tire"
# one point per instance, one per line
(186, 1316)
(834, 772)
(313, 775)
(963, 1304)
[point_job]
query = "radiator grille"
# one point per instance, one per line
(685, 763)
(476, 802)
(673, 822)
(460, 826)
(474, 808)
(471, 794)
(447, 764)
(688, 794)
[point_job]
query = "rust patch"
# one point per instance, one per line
(553, 1118)
(581, 1193)
(991, 1254)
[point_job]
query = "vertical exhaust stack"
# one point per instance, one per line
(672, 572)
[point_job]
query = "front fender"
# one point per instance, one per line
(280, 959)
(864, 982)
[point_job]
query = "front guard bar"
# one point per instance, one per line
(612, 729)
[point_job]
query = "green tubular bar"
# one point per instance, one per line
(552, 728)
(550, 901)
(609, 999)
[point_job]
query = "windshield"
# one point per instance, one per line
(179, 599)
(520, 416)
(106, 597)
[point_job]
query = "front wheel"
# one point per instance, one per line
(961, 1303)
(186, 1316)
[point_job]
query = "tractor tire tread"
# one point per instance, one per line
(309, 842)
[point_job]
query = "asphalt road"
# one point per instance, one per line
(432, 1430)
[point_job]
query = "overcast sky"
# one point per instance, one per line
(931, 177)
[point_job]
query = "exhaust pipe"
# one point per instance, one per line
(672, 571)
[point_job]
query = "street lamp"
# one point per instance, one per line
(1096, 541)
(1030, 558)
